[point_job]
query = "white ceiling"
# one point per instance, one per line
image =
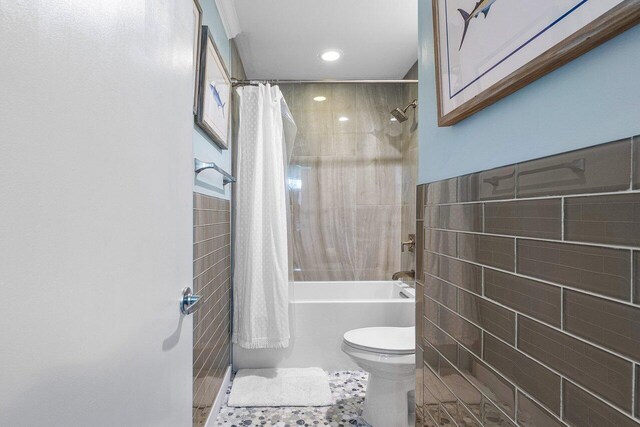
(281, 39)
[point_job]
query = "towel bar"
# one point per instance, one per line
(200, 166)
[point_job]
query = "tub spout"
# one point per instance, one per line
(411, 274)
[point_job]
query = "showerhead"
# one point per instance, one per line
(401, 114)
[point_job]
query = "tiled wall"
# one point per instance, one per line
(529, 293)
(345, 180)
(409, 169)
(212, 280)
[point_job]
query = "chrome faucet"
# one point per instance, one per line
(411, 274)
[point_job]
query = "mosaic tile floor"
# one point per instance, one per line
(348, 390)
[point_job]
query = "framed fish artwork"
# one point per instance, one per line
(197, 29)
(488, 49)
(214, 106)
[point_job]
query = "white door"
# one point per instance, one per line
(95, 212)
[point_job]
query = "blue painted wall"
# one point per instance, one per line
(592, 100)
(210, 182)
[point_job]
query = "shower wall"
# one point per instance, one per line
(346, 180)
(409, 169)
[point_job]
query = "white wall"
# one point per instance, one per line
(95, 212)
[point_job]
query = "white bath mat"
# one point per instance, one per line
(280, 387)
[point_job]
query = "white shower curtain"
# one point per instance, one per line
(261, 274)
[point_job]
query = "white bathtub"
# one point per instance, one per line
(320, 314)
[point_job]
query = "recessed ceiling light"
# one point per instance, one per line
(330, 55)
(393, 119)
(343, 119)
(320, 98)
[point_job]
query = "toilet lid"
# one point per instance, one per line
(387, 340)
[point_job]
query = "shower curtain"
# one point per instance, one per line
(261, 274)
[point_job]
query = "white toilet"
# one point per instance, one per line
(388, 355)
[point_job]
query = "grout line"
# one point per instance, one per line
(584, 340)
(484, 218)
(515, 339)
(634, 387)
(535, 279)
(562, 220)
(633, 139)
(562, 292)
(561, 399)
(540, 239)
(556, 196)
(633, 278)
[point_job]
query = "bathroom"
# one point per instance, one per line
(373, 213)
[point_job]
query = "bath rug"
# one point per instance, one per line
(280, 387)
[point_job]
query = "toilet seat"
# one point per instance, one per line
(382, 340)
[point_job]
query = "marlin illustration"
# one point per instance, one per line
(482, 6)
(216, 96)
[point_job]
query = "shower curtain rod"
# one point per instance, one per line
(237, 82)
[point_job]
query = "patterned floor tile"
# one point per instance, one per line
(348, 390)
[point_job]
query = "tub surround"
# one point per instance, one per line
(527, 292)
(212, 280)
(346, 179)
(409, 170)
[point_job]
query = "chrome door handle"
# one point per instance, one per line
(189, 301)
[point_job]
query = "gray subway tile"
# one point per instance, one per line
(492, 251)
(636, 162)
(531, 376)
(604, 271)
(487, 315)
(536, 299)
(419, 375)
(529, 218)
(431, 216)
(601, 168)
(487, 380)
(532, 414)
(460, 273)
(419, 312)
(420, 201)
(442, 242)
(435, 337)
(603, 373)
(604, 219)
(613, 325)
(467, 217)
(636, 277)
(466, 391)
(582, 409)
(442, 192)
(450, 403)
(430, 310)
(419, 251)
(492, 184)
(441, 291)
(463, 331)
